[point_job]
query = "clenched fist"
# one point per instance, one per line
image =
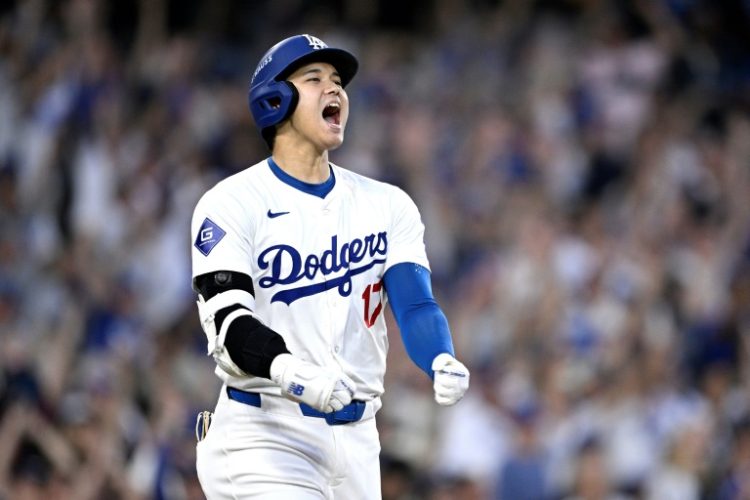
(323, 389)
(451, 379)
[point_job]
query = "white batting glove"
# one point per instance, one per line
(342, 394)
(451, 379)
(318, 387)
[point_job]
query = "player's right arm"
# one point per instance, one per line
(239, 341)
(242, 345)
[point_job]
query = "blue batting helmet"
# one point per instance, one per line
(271, 98)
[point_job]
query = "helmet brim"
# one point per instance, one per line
(344, 62)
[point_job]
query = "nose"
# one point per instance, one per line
(333, 88)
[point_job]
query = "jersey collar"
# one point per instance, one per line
(319, 190)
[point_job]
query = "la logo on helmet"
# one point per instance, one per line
(315, 42)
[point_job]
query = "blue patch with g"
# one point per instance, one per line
(209, 235)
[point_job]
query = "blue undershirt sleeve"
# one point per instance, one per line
(424, 327)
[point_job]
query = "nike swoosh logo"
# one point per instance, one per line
(273, 215)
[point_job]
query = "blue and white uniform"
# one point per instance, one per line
(315, 265)
(317, 255)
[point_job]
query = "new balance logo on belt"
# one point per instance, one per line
(296, 389)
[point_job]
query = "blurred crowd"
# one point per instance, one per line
(583, 171)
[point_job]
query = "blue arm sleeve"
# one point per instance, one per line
(424, 327)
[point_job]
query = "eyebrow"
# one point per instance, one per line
(318, 70)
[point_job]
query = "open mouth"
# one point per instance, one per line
(332, 113)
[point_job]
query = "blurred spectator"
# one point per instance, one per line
(524, 476)
(399, 479)
(735, 484)
(591, 480)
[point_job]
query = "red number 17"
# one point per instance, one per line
(373, 289)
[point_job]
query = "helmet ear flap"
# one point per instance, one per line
(273, 103)
(283, 106)
(293, 100)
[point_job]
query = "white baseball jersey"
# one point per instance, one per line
(317, 263)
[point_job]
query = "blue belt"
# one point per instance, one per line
(350, 413)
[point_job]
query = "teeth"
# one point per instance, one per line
(331, 109)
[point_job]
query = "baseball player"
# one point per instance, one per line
(294, 259)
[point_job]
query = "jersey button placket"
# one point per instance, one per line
(331, 225)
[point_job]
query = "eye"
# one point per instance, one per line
(313, 79)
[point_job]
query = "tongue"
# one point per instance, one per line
(331, 117)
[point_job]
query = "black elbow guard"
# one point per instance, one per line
(215, 283)
(252, 345)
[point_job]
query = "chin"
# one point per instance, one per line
(334, 143)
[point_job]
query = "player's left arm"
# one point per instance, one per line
(425, 331)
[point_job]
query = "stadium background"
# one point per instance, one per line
(582, 168)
